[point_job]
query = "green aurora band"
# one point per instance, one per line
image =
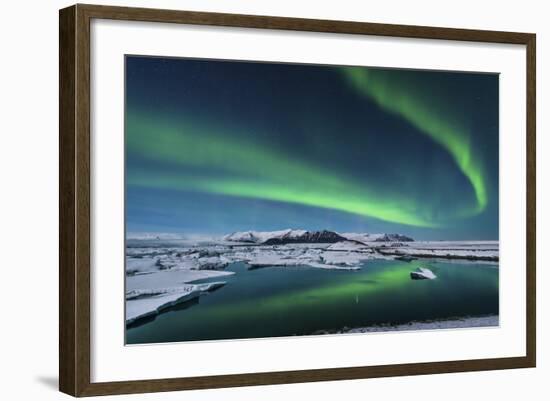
(218, 163)
(398, 96)
(241, 169)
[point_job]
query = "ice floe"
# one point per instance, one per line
(422, 273)
(149, 302)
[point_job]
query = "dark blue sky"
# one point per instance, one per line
(218, 146)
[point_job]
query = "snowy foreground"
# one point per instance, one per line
(467, 322)
(161, 271)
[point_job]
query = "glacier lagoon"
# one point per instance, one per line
(274, 301)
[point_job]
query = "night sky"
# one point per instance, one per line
(214, 147)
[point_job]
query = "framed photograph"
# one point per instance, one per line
(250, 200)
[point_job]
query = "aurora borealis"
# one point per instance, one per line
(219, 146)
(424, 112)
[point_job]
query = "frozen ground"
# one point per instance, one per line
(160, 270)
(466, 250)
(467, 322)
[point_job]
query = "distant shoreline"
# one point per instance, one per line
(453, 323)
(440, 256)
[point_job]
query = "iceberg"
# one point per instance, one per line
(422, 273)
(149, 302)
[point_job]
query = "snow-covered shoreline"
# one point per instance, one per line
(456, 323)
(465, 250)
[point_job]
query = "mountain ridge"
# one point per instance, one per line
(291, 236)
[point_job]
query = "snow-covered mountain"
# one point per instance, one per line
(365, 237)
(316, 237)
(259, 237)
(290, 236)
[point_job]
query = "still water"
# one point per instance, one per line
(286, 301)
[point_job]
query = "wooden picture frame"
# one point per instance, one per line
(74, 203)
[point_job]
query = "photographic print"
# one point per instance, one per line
(278, 199)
